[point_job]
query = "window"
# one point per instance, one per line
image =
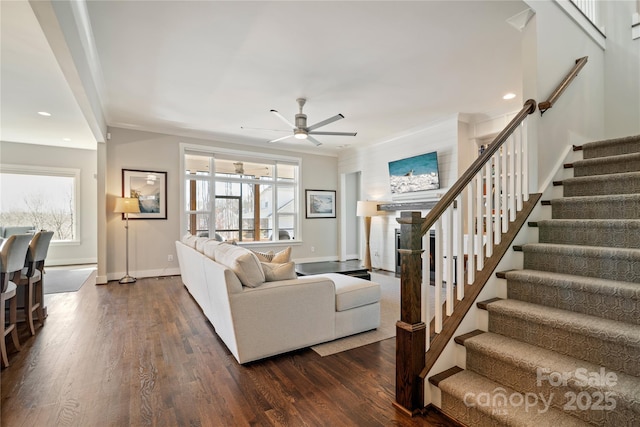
(45, 198)
(245, 198)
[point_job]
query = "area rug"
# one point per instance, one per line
(71, 280)
(389, 315)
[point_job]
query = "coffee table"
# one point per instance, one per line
(350, 268)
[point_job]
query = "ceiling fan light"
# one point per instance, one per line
(300, 134)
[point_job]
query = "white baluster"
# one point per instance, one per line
(479, 222)
(505, 190)
(488, 208)
(471, 231)
(438, 279)
(512, 179)
(497, 189)
(448, 235)
(459, 236)
(525, 161)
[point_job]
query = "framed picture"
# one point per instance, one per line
(150, 188)
(321, 203)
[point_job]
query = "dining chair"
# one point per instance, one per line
(12, 256)
(32, 276)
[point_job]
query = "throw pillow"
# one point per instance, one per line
(274, 272)
(282, 256)
(264, 256)
(241, 261)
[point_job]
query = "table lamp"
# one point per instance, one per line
(127, 205)
(367, 209)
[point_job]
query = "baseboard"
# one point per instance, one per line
(144, 273)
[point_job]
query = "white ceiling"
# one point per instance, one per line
(212, 69)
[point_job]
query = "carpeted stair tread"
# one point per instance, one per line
(611, 299)
(609, 343)
(617, 233)
(466, 386)
(618, 206)
(614, 183)
(530, 369)
(607, 165)
(611, 147)
(621, 264)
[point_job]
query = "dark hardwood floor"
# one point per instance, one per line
(143, 354)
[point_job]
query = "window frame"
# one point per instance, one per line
(73, 173)
(226, 154)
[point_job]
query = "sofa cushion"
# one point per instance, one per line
(354, 292)
(241, 261)
(189, 240)
(274, 272)
(201, 241)
(209, 248)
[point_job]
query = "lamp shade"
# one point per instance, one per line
(367, 208)
(127, 205)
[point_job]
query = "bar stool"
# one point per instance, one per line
(12, 256)
(32, 277)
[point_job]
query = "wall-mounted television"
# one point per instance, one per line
(417, 173)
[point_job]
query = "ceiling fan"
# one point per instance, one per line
(302, 131)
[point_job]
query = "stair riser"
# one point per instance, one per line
(600, 187)
(613, 307)
(603, 168)
(595, 209)
(623, 146)
(606, 353)
(553, 390)
(456, 409)
(587, 235)
(577, 263)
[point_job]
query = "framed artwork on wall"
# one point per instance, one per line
(150, 188)
(320, 203)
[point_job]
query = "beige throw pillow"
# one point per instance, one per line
(282, 256)
(264, 256)
(274, 272)
(275, 257)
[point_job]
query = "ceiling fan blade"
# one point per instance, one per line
(334, 133)
(283, 119)
(325, 122)
(313, 141)
(280, 139)
(271, 130)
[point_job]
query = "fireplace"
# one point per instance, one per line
(432, 250)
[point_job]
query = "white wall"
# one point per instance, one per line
(585, 112)
(151, 241)
(372, 161)
(85, 160)
(622, 71)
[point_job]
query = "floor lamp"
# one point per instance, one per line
(127, 205)
(367, 209)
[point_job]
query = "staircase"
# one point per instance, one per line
(564, 348)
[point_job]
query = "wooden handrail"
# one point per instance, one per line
(457, 188)
(545, 105)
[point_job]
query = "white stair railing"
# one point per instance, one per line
(488, 203)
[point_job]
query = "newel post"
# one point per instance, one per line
(410, 329)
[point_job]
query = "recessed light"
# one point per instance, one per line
(44, 113)
(509, 96)
(66, 139)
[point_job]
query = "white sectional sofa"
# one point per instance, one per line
(257, 318)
